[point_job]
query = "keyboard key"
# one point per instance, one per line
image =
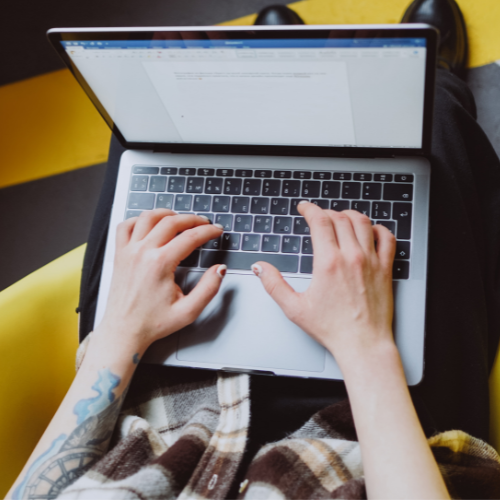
(403, 178)
(206, 171)
(133, 213)
(251, 187)
(351, 190)
(164, 201)
(168, 171)
(213, 244)
(279, 206)
(225, 220)
(210, 217)
(325, 176)
(301, 175)
(290, 244)
(260, 206)
(202, 203)
(381, 210)
(324, 204)
(372, 191)
(242, 261)
(271, 243)
(263, 173)
(310, 189)
(231, 241)
(402, 212)
(271, 188)
(339, 205)
(361, 206)
(191, 260)
(183, 202)
(187, 171)
(341, 176)
(307, 247)
(383, 177)
(243, 173)
(213, 185)
(225, 172)
(398, 192)
(282, 174)
(251, 242)
(389, 224)
(176, 184)
(139, 183)
(330, 190)
(290, 188)
(141, 201)
(293, 206)
(243, 224)
(195, 185)
(221, 204)
(240, 205)
(262, 224)
(306, 264)
(362, 177)
(300, 226)
(402, 250)
(232, 186)
(400, 270)
(282, 225)
(145, 170)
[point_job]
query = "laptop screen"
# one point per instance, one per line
(329, 92)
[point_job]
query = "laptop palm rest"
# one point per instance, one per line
(242, 326)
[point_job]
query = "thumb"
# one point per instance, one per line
(279, 290)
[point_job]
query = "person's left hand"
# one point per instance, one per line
(144, 303)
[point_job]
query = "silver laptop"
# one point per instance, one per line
(240, 124)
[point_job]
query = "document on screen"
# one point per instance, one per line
(256, 102)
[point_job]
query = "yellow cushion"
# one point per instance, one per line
(38, 341)
(495, 404)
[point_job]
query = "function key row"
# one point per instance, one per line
(277, 174)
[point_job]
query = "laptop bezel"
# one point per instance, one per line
(57, 35)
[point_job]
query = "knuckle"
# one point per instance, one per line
(357, 259)
(320, 219)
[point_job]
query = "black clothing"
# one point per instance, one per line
(463, 299)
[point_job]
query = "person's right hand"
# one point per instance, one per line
(348, 305)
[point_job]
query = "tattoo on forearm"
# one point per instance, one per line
(71, 456)
(136, 358)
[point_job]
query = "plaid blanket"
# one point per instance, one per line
(185, 439)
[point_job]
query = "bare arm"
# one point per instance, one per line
(144, 305)
(348, 307)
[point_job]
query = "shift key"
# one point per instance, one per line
(402, 213)
(243, 260)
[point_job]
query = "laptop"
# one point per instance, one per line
(240, 124)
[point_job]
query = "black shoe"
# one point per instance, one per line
(278, 14)
(445, 15)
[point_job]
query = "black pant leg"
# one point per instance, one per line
(463, 305)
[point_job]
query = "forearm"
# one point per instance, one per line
(397, 460)
(80, 432)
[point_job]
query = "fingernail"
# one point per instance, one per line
(302, 201)
(204, 217)
(221, 270)
(257, 270)
(220, 226)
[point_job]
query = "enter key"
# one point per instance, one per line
(402, 212)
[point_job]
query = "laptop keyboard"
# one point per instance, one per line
(258, 209)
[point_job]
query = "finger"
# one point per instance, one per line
(386, 245)
(191, 306)
(169, 227)
(187, 242)
(124, 231)
(147, 221)
(323, 235)
(344, 231)
(363, 231)
(279, 290)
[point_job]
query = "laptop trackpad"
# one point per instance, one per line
(243, 326)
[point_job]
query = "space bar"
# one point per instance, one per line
(243, 260)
